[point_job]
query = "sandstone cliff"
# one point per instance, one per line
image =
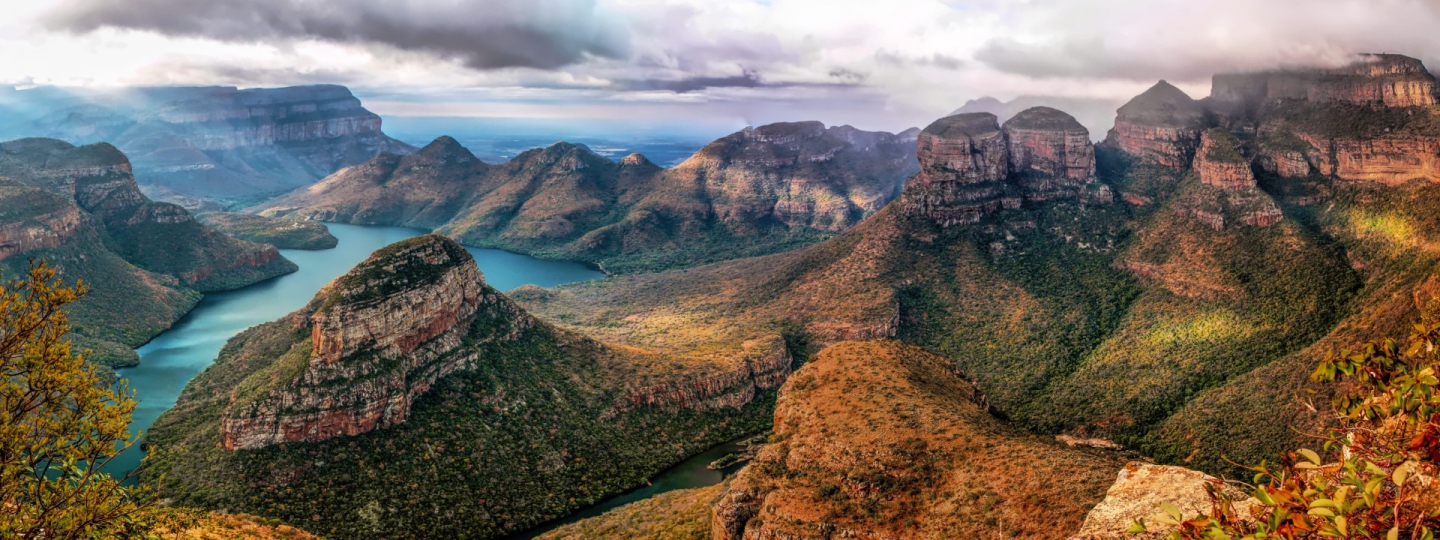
(776, 186)
(218, 143)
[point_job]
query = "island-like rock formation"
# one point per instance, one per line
(777, 186)
(216, 143)
(1160, 126)
(380, 336)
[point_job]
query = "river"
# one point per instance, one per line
(174, 357)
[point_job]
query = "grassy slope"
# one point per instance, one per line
(674, 515)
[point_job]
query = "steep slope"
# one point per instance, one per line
(919, 458)
(759, 191)
(215, 143)
(410, 371)
(79, 209)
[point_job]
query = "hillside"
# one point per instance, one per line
(80, 209)
(214, 143)
(279, 232)
(410, 371)
(756, 192)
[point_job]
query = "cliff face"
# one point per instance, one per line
(777, 186)
(219, 143)
(380, 337)
(909, 460)
(970, 167)
(1160, 126)
(1388, 80)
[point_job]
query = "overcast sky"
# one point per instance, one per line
(885, 64)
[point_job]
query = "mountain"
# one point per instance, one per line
(279, 232)
(1097, 115)
(211, 143)
(755, 192)
(79, 209)
(1167, 291)
(410, 371)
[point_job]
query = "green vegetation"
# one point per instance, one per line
(283, 233)
(58, 424)
(1225, 148)
(675, 515)
(1371, 479)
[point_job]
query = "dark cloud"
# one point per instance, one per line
(749, 79)
(942, 61)
(848, 76)
(484, 34)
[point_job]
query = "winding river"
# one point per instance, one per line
(174, 357)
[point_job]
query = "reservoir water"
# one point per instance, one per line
(174, 357)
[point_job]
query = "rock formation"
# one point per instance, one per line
(777, 186)
(1227, 192)
(218, 143)
(1160, 126)
(1388, 80)
(970, 167)
(380, 336)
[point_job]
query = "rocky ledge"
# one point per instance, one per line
(380, 336)
(1388, 80)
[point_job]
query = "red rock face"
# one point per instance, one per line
(375, 351)
(764, 366)
(1170, 146)
(1383, 80)
(1055, 153)
(1229, 175)
(964, 163)
(49, 230)
(1389, 160)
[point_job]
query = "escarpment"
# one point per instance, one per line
(218, 144)
(970, 167)
(380, 336)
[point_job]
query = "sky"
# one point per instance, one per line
(885, 64)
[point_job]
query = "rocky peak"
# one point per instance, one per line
(1161, 125)
(1388, 80)
(784, 132)
(636, 160)
(965, 149)
(445, 150)
(380, 336)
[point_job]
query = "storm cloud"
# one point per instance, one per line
(544, 34)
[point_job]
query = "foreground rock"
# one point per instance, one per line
(1138, 493)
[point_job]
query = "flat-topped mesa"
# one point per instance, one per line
(1050, 153)
(1221, 163)
(274, 115)
(1161, 125)
(381, 335)
(1388, 80)
(964, 162)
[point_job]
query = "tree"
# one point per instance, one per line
(59, 425)
(1378, 474)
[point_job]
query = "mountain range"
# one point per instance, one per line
(755, 192)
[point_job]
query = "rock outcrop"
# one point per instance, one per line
(1227, 192)
(764, 365)
(380, 336)
(1388, 80)
(1160, 126)
(1138, 493)
(971, 167)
